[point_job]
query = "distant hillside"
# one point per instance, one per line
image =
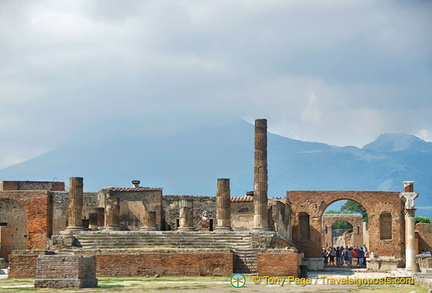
(189, 161)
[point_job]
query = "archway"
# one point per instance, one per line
(13, 227)
(314, 203)
(344, 223)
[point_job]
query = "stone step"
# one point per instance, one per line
(239, 241)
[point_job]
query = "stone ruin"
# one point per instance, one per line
(138, 231)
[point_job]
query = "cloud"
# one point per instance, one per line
(317, 70)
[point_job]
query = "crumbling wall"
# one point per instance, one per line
(60, 209)
(201, 205)
(424, 236)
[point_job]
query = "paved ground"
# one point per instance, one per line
(337, 281)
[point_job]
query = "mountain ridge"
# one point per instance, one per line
(189, 161)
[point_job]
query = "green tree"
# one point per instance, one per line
(356, 208)
(342, 225)
(421, 220)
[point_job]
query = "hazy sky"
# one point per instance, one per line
(333, 71)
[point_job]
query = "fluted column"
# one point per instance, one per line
(409, 196)
(186, 215)
(223, 205)
(260, 177)
(75, 205)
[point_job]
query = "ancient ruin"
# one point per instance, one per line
(139, 231)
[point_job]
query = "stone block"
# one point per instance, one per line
(66, 271)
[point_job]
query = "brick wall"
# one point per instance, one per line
(314, 203)
(424, 236)
(141, 264)
(164, 264)
(278, 264)
(22, 266)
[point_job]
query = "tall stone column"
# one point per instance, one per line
(223, 205)
(409, 196)
(260, 222)
(186, 215)
(75, 205)
(112, 213)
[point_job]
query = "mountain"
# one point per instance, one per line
(394, 142)
(190, 159)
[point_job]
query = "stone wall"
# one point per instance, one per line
(424, 236)
(32, 185)
(124, 264)
(356, 237)
(60, 209)
(200, 204)
(22, 264)
(13, 229)
(38, 209)
(278, 263)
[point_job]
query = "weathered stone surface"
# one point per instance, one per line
(66, 271)
(75, 206)
(223, 203)
(260, 177)
(278, 263)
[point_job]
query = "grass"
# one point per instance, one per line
(198, 284)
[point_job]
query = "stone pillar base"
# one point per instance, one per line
(66, 271)
(66, 283)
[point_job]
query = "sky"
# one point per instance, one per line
(334, 71)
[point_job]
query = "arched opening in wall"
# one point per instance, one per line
(304, 225)
(342, 233)
(344, 223)
(13, 231)
(385, 226)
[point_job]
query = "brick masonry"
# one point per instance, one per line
(281, 263)
(424, 236)
(165, 264)
(66, 271)
(314, 203)
(199, 263)
(38, 207)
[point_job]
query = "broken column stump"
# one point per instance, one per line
(66, 271)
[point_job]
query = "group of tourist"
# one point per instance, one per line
(344, 256)
(425, 251)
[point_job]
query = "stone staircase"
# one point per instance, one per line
(245, 256)
(245, 261)
(164, 240)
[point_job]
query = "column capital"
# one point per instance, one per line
(409, 199)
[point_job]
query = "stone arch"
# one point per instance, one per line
(356, 221)
(37, 205)
(314, 203)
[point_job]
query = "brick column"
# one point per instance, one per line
(149, 221)
(223, 205)
(75, 205)
(409, 196)
(112, 213)
(186, 215)
(260, 222)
